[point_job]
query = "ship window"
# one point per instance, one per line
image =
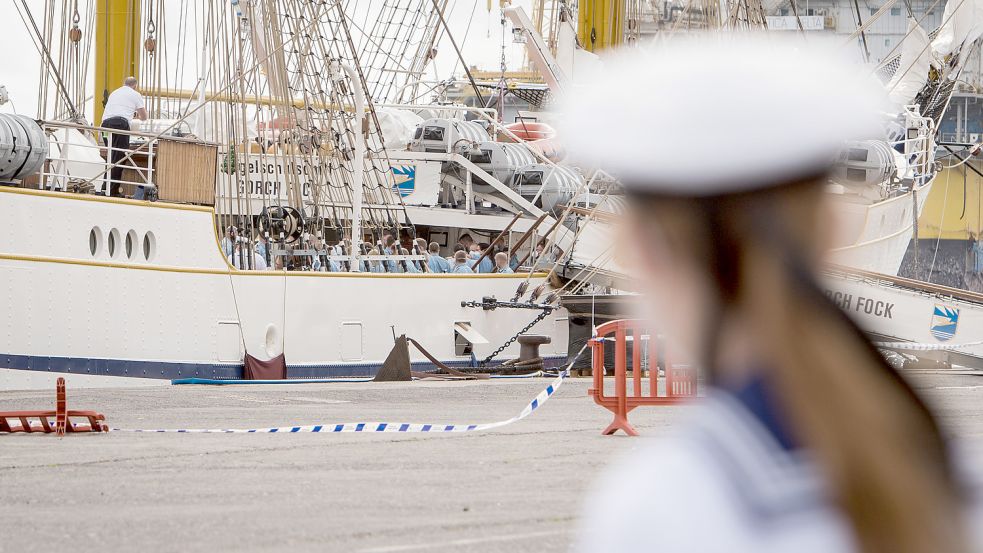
(895, 11)
(856, 175)
(483, 157)
(131, 241)
(418, 133)
(531, 178)
(113, 242)
(149, 246)
(95, 241)
(433, 133)
(858, 154)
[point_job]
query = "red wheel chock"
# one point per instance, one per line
(20, 421)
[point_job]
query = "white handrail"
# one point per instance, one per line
(358, 164)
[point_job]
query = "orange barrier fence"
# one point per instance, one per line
(680, 379)
(20, 421)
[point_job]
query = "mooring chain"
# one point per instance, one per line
(515, 337)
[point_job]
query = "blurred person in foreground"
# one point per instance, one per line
(806, 441)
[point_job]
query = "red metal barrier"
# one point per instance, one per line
(680, 380)
(20, 421)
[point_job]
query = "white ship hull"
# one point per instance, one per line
(184, 312)
(877, 235)
(927, 320)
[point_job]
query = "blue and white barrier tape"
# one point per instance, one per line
(532, 406)
(914, 346)
(230, 381)
(237, 381)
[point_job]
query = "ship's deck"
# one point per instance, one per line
(517, 488)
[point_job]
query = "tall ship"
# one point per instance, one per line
(298, 159)
(277, 203)
(881, 185)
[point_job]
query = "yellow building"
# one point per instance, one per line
(954, 209)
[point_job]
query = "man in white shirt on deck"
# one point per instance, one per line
(122, 106)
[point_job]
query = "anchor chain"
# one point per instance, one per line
(489, 303)
(515, 337)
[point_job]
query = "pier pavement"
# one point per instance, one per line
(517, 488)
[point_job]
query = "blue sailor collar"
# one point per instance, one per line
(770, 480)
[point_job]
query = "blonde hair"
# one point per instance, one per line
(876, 443)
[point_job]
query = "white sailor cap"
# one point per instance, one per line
(708, 115)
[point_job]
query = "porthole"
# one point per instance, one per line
(131, 242)
(149, 246)
(113, 242)
(95, 241)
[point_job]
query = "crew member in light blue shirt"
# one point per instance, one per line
(261, 247)
(486, 265)
(437, 263)
(389, 247)
(410, 265)
(375, 266)
(502, 263)
(461, 264)
(229, 241)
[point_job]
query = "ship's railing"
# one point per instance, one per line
(80, 159)
(919, 145)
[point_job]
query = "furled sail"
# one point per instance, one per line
(962, 23)
(912, 73)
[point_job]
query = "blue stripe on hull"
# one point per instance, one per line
(172, 370)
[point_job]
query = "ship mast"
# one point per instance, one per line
(600, 24)
(117, 52)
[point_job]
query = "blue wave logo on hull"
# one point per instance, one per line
(944, 322)
(405, 179)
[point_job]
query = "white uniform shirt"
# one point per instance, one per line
(239, 262)
(123, 102)
(721, 484)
